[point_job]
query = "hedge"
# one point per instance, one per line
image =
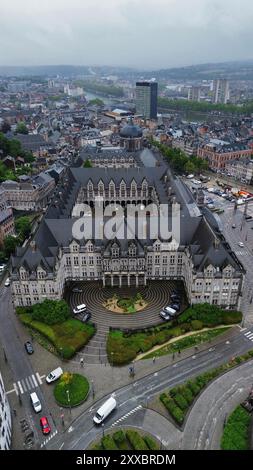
(178, 399)
(108, 443)
(150, 443)
(118, 437)
(136, 440)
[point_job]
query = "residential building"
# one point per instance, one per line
(146, 99)
(33, 194)
(241, 169)
(221, 91)
(194, 93)
(218, 153)
(5, 419)
(6, 222)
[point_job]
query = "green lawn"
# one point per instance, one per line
(178, 399)
(188, 342)
(78, 390)
(67, 337)
(236, 435)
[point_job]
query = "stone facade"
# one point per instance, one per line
(5, 419)
(200, 258)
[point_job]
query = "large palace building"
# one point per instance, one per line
(200, 256)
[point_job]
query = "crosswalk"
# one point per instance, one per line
(44, 443)
(27, 383)
(249, 335)
(126, 415)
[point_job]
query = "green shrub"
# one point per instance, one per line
(118, 437)
(136, 440)
(196, 325)
(181, 402)
(51, 312)
(187, 394)
(192, 385)
(108, 443)
(150, 443)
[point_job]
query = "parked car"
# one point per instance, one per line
(165, 316)
(77, 290)
(241, 244)
(233, 226)
(44, 424)
(54, 375)
(169, 310)
(175, 306)
(35, 402)
(7, 282)
(175, 298)
(79, 309)
(2, 268)
(86, 316)
(248, 217)
(29, 347)
(105, 410)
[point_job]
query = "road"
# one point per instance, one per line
(132, 398)
(243, 232)
(204, 426)
(26, 379)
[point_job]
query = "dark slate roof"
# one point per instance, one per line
(198, 230)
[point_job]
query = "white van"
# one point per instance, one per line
(54, 375)
(35, 402)
(105, 410)
(79, 309)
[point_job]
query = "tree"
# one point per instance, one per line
(23, 226)
(189, 167)
(51, 311)
(10, 244)
(96, 101)
(87, 164)
(21, 128)
(5, 127)
(66, 378)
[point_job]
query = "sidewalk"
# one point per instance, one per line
(103, 379)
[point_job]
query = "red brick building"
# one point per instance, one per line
(218, 153)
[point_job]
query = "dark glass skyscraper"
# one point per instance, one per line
(146, 99)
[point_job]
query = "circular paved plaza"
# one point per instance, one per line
(157, 295)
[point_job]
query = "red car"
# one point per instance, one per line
(44, 424)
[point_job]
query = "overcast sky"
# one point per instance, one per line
(137, 33)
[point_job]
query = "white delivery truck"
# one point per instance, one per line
(54, 375)
(105, 410)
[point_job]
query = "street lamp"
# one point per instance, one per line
(67, 392)
(112, 353)
(92, 389)
(61, 352)
(103, 430)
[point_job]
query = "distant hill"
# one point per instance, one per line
(241, 70)
(232, 70)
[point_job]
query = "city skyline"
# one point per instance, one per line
(58, 33)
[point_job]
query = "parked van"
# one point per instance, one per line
(79, 309)
(105, 410)
(54, 375)
(35, 402)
